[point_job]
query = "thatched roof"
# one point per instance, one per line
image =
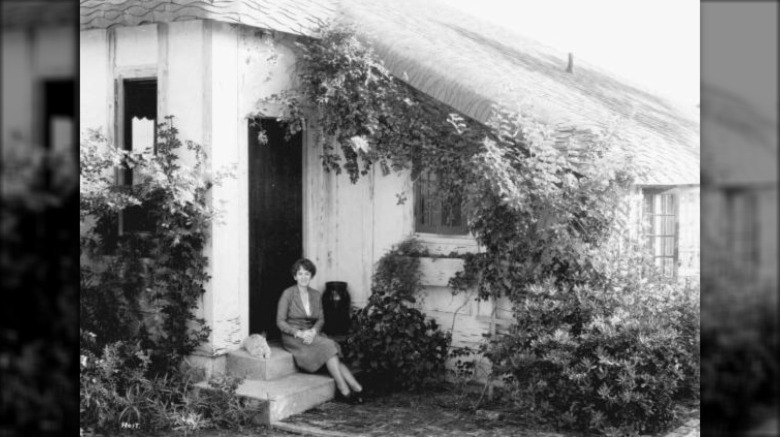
(19, 14)
(297, 17)
(470, 64)
(741, 142)
(466, 63)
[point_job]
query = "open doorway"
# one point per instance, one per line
(275, 219)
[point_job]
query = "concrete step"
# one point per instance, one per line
(286, 396)
(240, 363)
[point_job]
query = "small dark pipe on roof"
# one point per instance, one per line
(570, 67)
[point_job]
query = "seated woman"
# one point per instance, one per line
(300, 319)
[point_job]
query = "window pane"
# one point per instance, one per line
(669, 246)
(668, 267)
(431, 215)
(142, 134)
(670, 226)
(660, 211)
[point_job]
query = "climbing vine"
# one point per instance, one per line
(145, 282)
(366, 117)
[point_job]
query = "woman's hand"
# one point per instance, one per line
(308, 336)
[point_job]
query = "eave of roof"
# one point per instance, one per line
(296, 17)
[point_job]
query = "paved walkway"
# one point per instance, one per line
(337, 420)
(689, 429)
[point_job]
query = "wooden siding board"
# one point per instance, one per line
(436, 272)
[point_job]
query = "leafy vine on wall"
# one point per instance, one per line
(539, 200)
(146, 283)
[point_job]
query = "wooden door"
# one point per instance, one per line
(275, 220)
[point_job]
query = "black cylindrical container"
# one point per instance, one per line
(336, 303)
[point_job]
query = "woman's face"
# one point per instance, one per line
(303, 277)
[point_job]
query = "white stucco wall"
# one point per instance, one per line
(229, 284)
(136, 46)
(95, 83)
(689, 245)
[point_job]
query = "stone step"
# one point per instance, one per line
(286, 396)
(240, 363)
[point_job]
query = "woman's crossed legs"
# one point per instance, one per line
(344, 378)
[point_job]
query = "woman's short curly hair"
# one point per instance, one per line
(306, 264)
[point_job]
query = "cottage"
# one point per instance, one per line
(209, 63)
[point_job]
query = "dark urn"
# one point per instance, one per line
(336, 304)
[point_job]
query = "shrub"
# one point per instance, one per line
(391, 340)
(112, 385)
(224, 408)
(146, 282)
(612, 361)
(398, 272)
(116, 394)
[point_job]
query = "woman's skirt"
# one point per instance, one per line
(311, 357)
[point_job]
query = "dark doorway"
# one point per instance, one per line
(275, 220)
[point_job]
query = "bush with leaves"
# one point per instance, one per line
(391, 341)
(608, 361)
(117, 393)
(146, 283)
(111, 384)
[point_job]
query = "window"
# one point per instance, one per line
(138, 132)
(431, 214)
(661, 209)
(742, 228)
